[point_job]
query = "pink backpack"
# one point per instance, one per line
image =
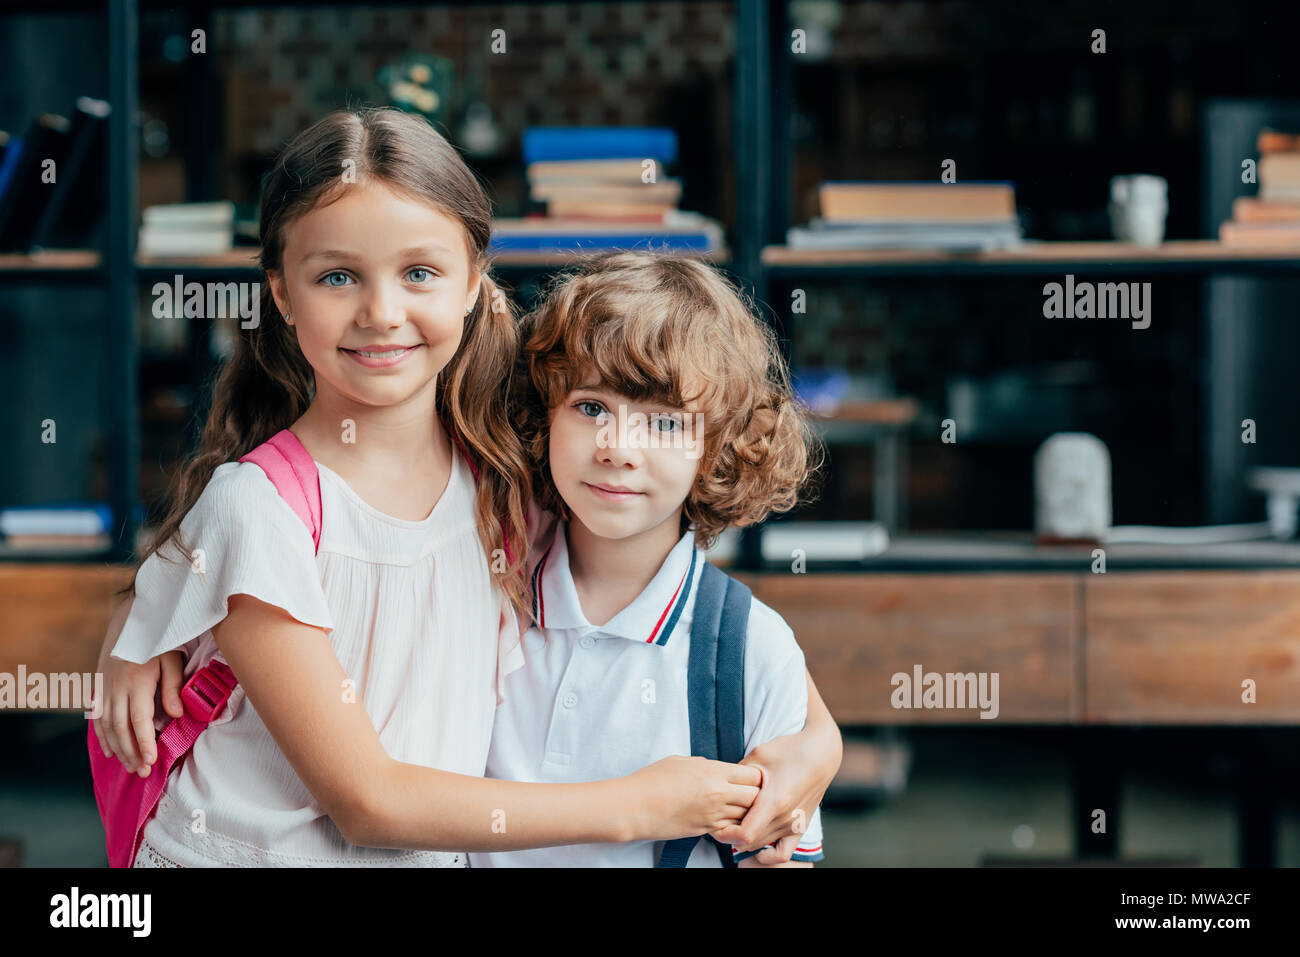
(127, 801)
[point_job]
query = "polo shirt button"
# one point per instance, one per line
(570, 700)
(587, 641)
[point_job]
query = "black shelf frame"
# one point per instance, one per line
(763, 151)
(119, 274)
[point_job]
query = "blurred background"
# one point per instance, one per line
(1159, 683)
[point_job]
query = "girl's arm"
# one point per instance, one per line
(124, 726)
(797, 770)
(295, 682)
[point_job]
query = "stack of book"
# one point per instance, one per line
(604, 188)
(188, 229)
(52, 180)
(84, 525)
(962, 217)
(1273, 217)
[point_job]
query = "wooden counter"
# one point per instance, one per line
(1126, 647)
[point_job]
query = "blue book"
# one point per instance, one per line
(550, 143)
(9, 164)
(61, 518)
(596, 242)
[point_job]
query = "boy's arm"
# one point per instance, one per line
(797, 770)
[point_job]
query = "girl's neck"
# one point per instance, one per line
(354, 439)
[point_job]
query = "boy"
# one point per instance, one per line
(659, 412)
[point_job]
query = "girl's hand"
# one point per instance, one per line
(125, 726)
(684, 796)
(797, 770)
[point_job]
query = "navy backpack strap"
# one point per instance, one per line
(715, 686)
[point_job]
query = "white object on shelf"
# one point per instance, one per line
(823, 541)
(1137, 208)
(1282, 486)
(1072, 487)
(1186, 535)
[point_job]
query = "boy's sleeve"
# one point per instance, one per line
(776, 700)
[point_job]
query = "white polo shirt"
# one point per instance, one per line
(602, 702)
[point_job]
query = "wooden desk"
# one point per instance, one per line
(1132, 648)
(1166, 647)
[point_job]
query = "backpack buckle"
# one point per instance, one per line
(206, 692)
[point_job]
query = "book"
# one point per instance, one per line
(9, 160)
(188, 229)
(677, 220)
(957, 236)
(77, 519)
(564, 143)
(1251, 209)
(76, 206)
(916, 201)
(220, 213)
(1279, 175)
(665, 192)
(28, 194)
(823, 541)
(610, 212)
(1259, 234)
(679, 231)
(1273, 141)
(156, 242)
(587, 171)
(598, 242)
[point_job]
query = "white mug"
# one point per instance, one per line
(1138, 205)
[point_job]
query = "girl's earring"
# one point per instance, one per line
(287, 320)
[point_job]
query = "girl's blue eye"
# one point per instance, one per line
(325, 279)
(672, 423)
(586, 404)
(427, 272)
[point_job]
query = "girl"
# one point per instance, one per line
(384, 348)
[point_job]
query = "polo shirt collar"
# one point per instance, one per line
(652, 616)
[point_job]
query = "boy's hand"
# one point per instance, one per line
(125, 726)
(793, 786)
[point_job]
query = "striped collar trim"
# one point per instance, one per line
(674, 609)
(555, 601)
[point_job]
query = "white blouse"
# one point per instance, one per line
(412, 614)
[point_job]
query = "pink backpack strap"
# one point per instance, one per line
(293, 472)
(127, 801)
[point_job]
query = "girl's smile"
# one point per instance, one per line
(380, 357)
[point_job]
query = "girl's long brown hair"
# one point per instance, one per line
(267, 384)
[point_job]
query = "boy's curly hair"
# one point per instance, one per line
(671, 329)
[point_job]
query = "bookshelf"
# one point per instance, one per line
(118, 272)
(763, 150)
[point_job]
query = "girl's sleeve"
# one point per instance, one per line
(241, 538)
(510, 649)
